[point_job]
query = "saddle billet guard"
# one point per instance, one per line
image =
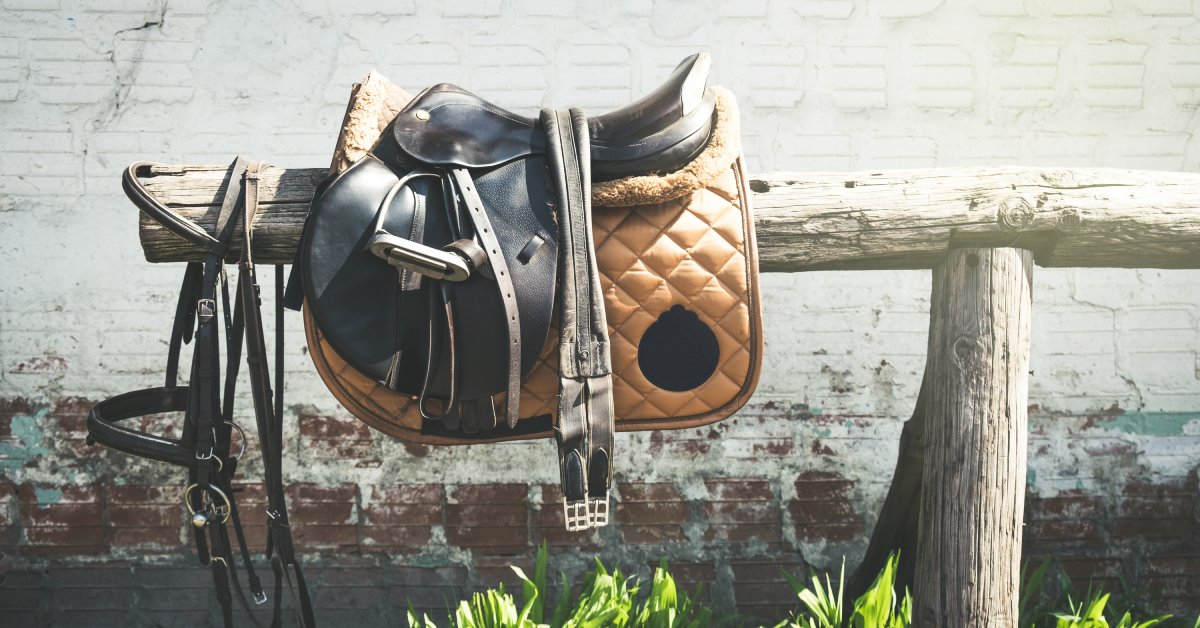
(205, 447)
(437, 266)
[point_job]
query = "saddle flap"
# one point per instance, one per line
(447, 125)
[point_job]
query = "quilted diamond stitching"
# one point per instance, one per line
(668, 271)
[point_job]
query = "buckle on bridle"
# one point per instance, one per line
(575, 514)
(206, 309)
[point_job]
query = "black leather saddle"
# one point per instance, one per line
(436, 263)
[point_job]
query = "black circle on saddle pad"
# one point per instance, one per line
(678, 352)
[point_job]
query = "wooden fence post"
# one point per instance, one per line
(972, 499)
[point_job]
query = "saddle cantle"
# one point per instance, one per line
(457, 279)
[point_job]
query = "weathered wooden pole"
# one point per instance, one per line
(805, 221)
(972, 498)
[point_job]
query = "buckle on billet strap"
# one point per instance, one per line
(575, 514)
(260, 598)
(598, 511)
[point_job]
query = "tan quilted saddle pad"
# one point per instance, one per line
(679, 239)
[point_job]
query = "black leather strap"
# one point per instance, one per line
(585, 409)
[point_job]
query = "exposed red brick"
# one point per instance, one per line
(777, 447)
(506, 539)
(396, 538)
(338, 536)
(821, 449)
(306, 492)
(48, 363)
(832, 511)
(145, 517)
(1066, 530)
(1067, 505)
(491, 518)
(70, 414)
(344, 438)
(678, 443)
(822, 508)
(768, 532)
(324, 516)
(72, 506)
(1177, 505)
(651, 513)
(648, 491)
(65, 541)
(402, 518)
(489, 493)
(740, 511)
(820, 485)
(652, 535)
(151, 538)
(13, 406)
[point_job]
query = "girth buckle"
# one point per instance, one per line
(575, 514)
(260, 598)
(598, 511)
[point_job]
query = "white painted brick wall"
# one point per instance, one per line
(87, 86)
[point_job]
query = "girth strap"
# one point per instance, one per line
(585, 408)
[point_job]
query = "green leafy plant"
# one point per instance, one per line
(612, 599)
(823, 603)
(1089, 613)
(877, 607)
(666, 608)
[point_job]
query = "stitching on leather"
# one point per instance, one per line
(495, 110)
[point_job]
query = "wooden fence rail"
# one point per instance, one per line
(956, 497)
(1096, 217)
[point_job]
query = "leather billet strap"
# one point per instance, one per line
(585, 408)
(465, 186)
